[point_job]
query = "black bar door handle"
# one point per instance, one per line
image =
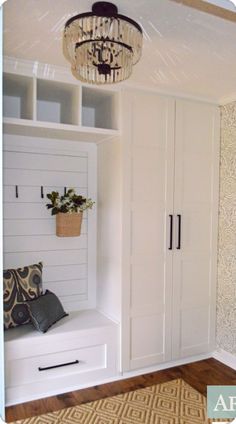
(179, 232)
(58, 366)
(171, 232)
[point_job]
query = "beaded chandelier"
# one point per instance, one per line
(102, 46)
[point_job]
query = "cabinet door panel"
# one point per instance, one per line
(147, 224)
(148, 166)
(192, 270)
(194, 336)
(196, 199)
(196, 228)
(148, 273)
(196, 178)
(149, 140)
(148, 340)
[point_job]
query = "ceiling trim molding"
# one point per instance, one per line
(171, 93)
(227, 99)
(62, 74)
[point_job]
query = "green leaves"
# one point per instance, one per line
(53, 196)
(68, 203)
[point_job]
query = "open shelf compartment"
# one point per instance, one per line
(57, 102)
(17, 96)
(99, 108)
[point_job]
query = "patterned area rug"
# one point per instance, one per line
(174, 402)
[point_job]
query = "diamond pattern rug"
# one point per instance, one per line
(174, 402)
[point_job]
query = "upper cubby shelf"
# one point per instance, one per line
(57, 102)
(99, 109)
(17, 96)
(47, 108)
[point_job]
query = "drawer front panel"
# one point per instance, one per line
(55, 365)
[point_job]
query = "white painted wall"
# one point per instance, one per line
(109, 229)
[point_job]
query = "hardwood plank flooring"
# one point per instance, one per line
(197, 374)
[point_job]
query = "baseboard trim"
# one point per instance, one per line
(225, 357)
(165, 365)
(221, 355)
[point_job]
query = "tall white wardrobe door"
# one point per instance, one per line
(148, 187)
(195, 206)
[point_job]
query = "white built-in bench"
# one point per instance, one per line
(78, 351)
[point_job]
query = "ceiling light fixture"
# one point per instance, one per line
(102, 46)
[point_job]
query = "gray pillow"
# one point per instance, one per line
(45, 311)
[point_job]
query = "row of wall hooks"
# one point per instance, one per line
(41, 191)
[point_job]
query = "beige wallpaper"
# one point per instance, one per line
(226, 296)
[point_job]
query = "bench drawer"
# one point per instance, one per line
(54, 365)
(79, 351)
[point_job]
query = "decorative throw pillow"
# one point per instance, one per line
(45, 311)
(19, 285)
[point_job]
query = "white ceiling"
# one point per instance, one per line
(185, 51)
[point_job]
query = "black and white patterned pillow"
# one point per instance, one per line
(20, 285)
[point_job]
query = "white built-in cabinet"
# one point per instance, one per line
(170, 237)
(51, 127)
(145, 264)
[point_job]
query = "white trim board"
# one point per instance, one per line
(2, 393)
(120, 376)
(226, 358)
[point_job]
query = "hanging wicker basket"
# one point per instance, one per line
(68, 224)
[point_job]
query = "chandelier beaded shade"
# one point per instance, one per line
(102, 46)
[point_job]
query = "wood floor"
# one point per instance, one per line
(197, 374)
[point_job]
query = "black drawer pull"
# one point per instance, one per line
(171, 232)
(58, 366)
(179, 232)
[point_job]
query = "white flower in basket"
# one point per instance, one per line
(69, 211)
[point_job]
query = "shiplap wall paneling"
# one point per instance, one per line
(29, 228)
